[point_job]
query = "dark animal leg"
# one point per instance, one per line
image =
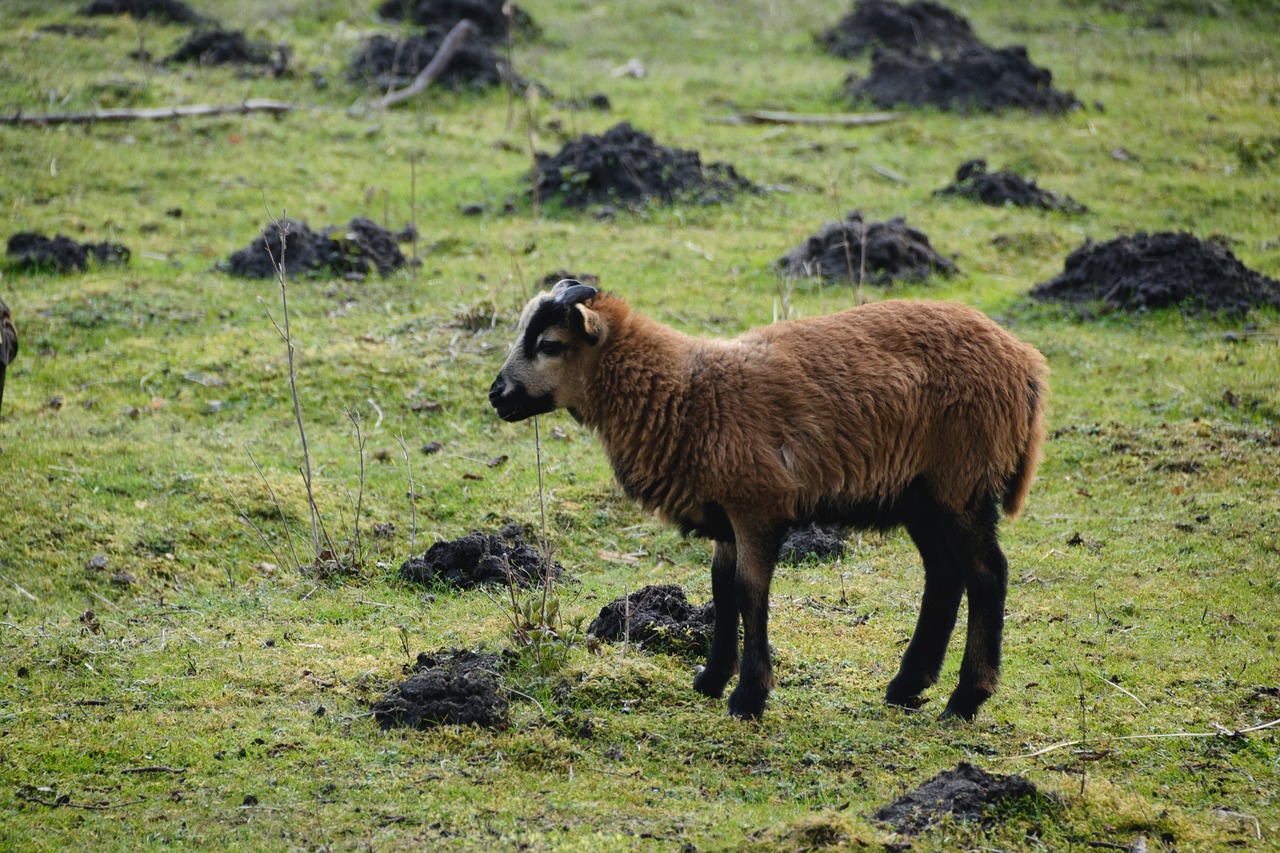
(756, 559)
(986, 583)
(943, 586)
(722, 658)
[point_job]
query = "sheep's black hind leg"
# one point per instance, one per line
(722, 658)
(934, 534)
(756, 559)
(986, 584)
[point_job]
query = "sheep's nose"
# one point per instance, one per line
(496, 390)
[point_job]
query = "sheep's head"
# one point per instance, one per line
(544, 370)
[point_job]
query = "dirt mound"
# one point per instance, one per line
(966, 793)
(455, 687)
(975, 78)
(626, 165)
(1000, 188)
(385, 63)
(913, 27)
(170, 11)
(28, 250)
(885, 252)
(815, 542)
(477, 559)
(230, 47)
(1159, 270)
(657, 618)
(490, 16)
(353, 251)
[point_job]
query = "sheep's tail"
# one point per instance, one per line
(1019, 484)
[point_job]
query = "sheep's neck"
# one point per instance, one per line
(642, 382)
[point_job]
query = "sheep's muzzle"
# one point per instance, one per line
(514, 403)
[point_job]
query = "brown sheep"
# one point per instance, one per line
(926, 415)
(8, 344)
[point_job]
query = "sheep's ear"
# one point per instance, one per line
(586, 324)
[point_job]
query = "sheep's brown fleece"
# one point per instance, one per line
(922, 414)
(850, 407)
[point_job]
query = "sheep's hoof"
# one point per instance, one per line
(709, 686)
(911, 704)
(747, 704)
(907, 699)
(963, 704)
(950, 713)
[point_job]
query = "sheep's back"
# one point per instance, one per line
(859, 404)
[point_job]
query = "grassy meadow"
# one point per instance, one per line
(175, 674)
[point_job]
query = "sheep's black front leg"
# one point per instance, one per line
(722, 658)
(756, 558)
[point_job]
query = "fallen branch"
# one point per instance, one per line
(444, 55)
(64, 801)
(1222, 732)
(819, 119)
(150, 114)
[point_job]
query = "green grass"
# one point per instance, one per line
(1143, 573)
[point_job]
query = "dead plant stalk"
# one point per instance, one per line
(286, 334)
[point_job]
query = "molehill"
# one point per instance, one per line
(1146, 271)
(880, 252)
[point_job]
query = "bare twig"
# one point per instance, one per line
(297, 564)
(150, 114)
(355, 532)
(244, 516)
(818, 119)
(542, 511)
(15, 585)
(444, 55)
(1066, 744)
(65, 802)
(287, 336)
(1122, 690)
(413, 505)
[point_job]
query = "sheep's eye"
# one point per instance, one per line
(551, 347)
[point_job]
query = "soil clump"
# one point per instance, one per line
(912, 27)
(973, 181)
(230, 47)
(625, 165)
(882, 252)
(976, 78)
(28, 250)
(452, 687)
(480, 559)
(385, 63)
(353, 251)
(966, 793)
(657, 618)
(489, 16)
(1159, 270)
(169, 11)
(813, 542)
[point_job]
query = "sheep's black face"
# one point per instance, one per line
(536, 377)
(514, 403)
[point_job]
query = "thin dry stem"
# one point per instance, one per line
(413, 504)
(297, 563)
